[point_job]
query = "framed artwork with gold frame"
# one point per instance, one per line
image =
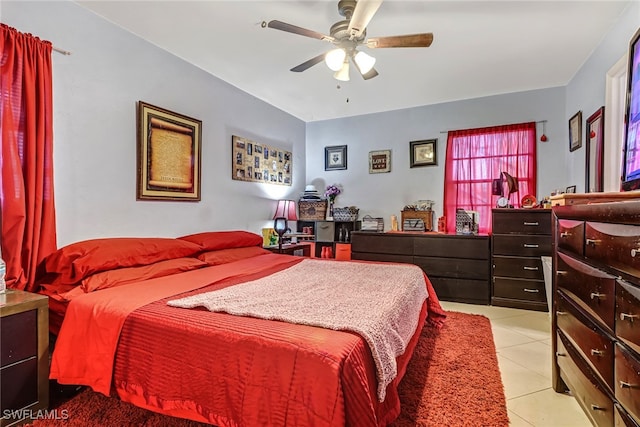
(169, 155)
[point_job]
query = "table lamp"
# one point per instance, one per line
(285, 211)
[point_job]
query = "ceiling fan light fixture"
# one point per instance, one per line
(335, 59)
(364, 61)
(343, 73)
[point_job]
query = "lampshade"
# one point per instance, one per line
(286, 209)
(343, 73)
(365, 62)
(335, 58)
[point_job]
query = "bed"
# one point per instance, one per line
(115, 308)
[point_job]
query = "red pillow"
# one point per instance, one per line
(78, 260)
(214, 240)
(224, 256)
(122, 276)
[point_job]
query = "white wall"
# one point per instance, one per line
(385, 194)
(586, 91)
(95, 94)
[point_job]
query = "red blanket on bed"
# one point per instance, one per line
(219, 368)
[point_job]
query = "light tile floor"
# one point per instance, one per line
(523, 347)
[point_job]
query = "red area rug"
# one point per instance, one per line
(452, 380)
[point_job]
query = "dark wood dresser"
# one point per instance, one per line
(520, 238)
(457, 265)
(24, 355)
(596, 318)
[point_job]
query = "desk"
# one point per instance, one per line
(300, 249)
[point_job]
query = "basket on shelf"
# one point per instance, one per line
(345, 214)
(312, 210)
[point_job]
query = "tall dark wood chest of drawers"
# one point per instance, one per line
(596, 318)
(520, 238)
(24, 355)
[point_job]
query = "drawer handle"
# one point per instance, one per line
(635, 252)
(561, 313)
(530, 245)
(564, 234)
(561, 354)
(597, 408)
(535, 224)
(624, 316)
(561, 272)
(627, 385)
(530, 268)
(596, 352)
(593, 242)
(595, 295)
(531, 291)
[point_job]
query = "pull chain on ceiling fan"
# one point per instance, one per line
(347, 35)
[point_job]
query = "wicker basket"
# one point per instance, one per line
(312, 211)
(345, 214)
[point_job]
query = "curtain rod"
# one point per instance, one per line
(62, 51)
(539, 121)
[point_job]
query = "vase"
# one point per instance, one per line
(330, 211)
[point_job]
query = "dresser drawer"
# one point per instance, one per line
(588, 391)
(521, 245)
(19, 385)
(589, 339)
(628, 314)
(617, 245)
(571, 235)
(454, 267)
(18, 337)
(594, 288)
(381, 243)
(520, 289)
(365, 256)
(628, 381)
(452, 247)
(521, 222)
(623, 419)
(525, 268)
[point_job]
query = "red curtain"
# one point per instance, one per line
(27, 214)
(475, 157)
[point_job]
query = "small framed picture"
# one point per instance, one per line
(570, 189)
(335, 157)
(423, 153)
(380, 161)
(575, 131)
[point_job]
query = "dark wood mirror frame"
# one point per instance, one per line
(594, 153)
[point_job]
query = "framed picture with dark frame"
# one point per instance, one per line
(570, 189)
(594, 145)
(575, 131)
(168, 154)
(335, 157)
(423, 153)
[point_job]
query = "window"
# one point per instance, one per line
(475, 157)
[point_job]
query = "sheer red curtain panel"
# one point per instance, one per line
(475, 157)
(27, 212)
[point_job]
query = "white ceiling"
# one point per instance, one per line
(480, 48)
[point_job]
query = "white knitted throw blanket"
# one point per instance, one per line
(381, 303)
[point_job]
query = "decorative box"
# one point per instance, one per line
(312, 210)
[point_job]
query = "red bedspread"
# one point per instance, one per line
(222, 369)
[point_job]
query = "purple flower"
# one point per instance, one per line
(332, 191)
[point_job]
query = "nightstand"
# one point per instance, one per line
(24, 354)
(300, 249)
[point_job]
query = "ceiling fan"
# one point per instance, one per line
(347, 36)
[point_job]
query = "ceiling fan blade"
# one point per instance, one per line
(362, 14)
(409, 40)
(289, 28)
(308, 64)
